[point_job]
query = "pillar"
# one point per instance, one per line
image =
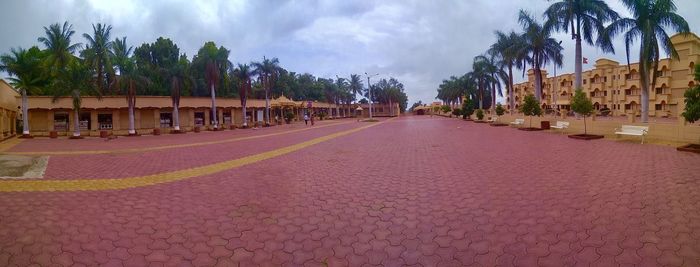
(220, 116)
(2, 124)
(206, 117)
(50, 120)
(156, 119)
(94, 125)
(116, 121)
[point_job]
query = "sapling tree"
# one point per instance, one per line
(500, 110)
(531, 107)
(480, 114)
(467, 108)
(691, 113)
(446, 109)
(457, 112)
(583, 106)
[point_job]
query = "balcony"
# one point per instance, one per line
(630, 98)
(599, 99)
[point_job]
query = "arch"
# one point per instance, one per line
(633, 105)
(596, 106)
(691, 66)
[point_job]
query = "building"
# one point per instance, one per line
(616, 86)
(8, 110)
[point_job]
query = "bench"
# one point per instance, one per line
(561, 125)
(632, 130)
(517, 122)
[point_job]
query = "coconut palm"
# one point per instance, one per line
(26, 74)
(179, 76)
(650, 22)
(243, 74)
(128, 83)
(120, 54)
(97, 54)
(508, 50)
(482, 75)
(267, 71)
(493, 65)
(583, 19)
(355, 84)
(75, 80)
(342, 86)
(58, 45)
(540, 47)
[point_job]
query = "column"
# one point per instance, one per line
(49, 120)
(206, 117)
(220, 116)
(137, 119)
(156, 119)
(116, 121)
(2, 123)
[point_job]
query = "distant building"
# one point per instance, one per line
(616, 86)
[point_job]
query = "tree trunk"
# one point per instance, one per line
(76, 121)
(245, 119)
(493, 98)
(214, 122)
(644, 82)
(538, 83)
(267, 108)
(512, 90)
(579, 63)
(132, 127)
(481, 95)
(337, 109)
(25, 113)
(176, 116)
(585, 128)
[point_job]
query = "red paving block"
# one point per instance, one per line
(385, 195)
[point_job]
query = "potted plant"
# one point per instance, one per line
(583, 106)
(691, 113)
(288, 117)
(467, 109)
(531, 107)
(479, 116)
(499, 112)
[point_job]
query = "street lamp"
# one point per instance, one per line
(369, 87)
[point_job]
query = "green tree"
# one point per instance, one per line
(97, 54)
(212, 64)
(509, 50)
(356, 86)
(467, 108)
(27, 75)
(691, 113)
(583, 106)
(156, 61)
(540, 47)
(445, 109)
(649, 24)
(180, 78)
(243, 74)
(531, 107)
(267, 71)
(58, 46)
(480, 114)
(583, 19)
(75, 81)
(129, 82)
(500, 110)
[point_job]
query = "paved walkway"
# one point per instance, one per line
(409, 191)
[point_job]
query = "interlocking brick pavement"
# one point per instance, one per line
(411, 191)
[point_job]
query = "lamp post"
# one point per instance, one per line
(369, 87)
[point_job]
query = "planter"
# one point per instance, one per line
(544, 125)
(156, 131)
(585, 136)
(498, 124)
(695, 148)
(53, 134)
(530, 129)
(197, 129)
(171, 131)
(133, 134)
(232, 127)
(104, 134)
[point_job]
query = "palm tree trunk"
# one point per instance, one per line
(267, 108)
(511, 93)
(337, 109)
(578, 68)
(76, 121)
(538, 82)
(493, 98)
(25, 113)
(481, 95)
(176, 117)
(213, 108)
(644, 82)
(132, 130)
(245, 119)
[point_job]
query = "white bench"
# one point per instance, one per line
(561, 125)
(517, 122)
(632, 130)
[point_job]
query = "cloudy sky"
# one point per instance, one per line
(419, 42)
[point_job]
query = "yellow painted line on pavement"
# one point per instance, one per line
(146, 149)
(153, 179)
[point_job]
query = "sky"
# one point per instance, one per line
(416, 41)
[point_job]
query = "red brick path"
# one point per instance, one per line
(412, 191)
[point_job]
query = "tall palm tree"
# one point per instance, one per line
(97, 54)
(58, 44)
(508, 49)
(128, 82)
(584, 19)
(482, 76)
(179, 75)
(27, 75)
(267, 71)
(120, 54)
(342, 86)
(493, 66)
(540, 47)
(355, 84)
(75, 80)
(243, 74)
(650, 21)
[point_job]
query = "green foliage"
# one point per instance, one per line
(691, 113)
(581, 104)
(530, 106)
(500, 110)
(457, 111)
(480, 114)
(288, 116)
(445, 108)
(467, 108)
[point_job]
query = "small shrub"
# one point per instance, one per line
(531, 107)
(288, 116)
(445, 109)
(500, 110)
(691, 113)
(467, 108)
(457, 112)
(582, 105)
(480, 114)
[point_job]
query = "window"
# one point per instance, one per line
(166, 120)
(84, 121)
(605, 93)
(659, 91)
(104, 121)
(584, 81)
(60, 121)
(199, 119)
(627, 106)
(628, 91)
(658, 107)
(605, 79)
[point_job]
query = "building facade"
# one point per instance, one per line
(8, 110)
(615, 86)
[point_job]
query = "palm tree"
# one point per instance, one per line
(58, 44)
(482, 75)
(583, 18)
(243, 74)
(651, 20)
(97, 53)
(120, 54)
(75, 80)
(493, 66)
(342, 86)
(355, 84)
(508, 49)
(179, 74)
(267, 71)
(129, 81)
(24, 67)
(540, 47)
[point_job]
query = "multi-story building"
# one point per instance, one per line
(616, 86)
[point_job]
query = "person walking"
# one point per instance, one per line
(312, 118)
(306, 118)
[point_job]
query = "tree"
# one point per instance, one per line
(583, 106)
(26, 74)
(75, 81)
(213, 65)
(267, 71)
(97, 54)
(499, 111)
(156, 61)
(583, 18)
(488, 75)
(355, 84)
(531, 107)
(691, 113)
(467, 108)
(180, 76)
(128, 83)
(509, 50)
(243, 75)
(58, 45)
(651, 20)
(540, 47)
(445, 109)
(342, 86)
